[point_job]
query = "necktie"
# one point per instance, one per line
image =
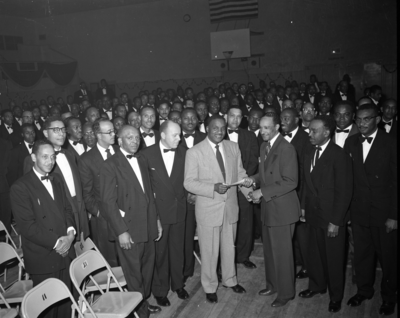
(132, 156)
(172, 149)
(59, 151)
(343, 94)
(267, 150)
(220, 160)
(188, 135)
(389, 123)
(46, 178)
(342, 130)
(288, 134)
(147, 134)
(77, 142)
(368, 139)
(316, 157)
(230, 131)
(30, 146)
(108, 153)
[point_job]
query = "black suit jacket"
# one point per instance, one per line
(157, 122)
(5, 155)
(375, 181)
(157, 135)
(245, 113)
(65, 109)
(198, 136)
(169, 192)
(249, 150)
(393, 130)
(16, 166)
(78, 96)
(276, 105)
(41, 221)
(327, 190)
(15, 137)
(337, 98)
(120, 190)
(102, 111)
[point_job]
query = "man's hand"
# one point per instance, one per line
(390, 225)
(256, 196)
(64, 244)
(302, 217)
(125, 241)
(247, 182)
(159, 228)
(191, 198)
(220, 188)
(250, 197)
(333, 230)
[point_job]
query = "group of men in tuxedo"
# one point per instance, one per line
(180, 176)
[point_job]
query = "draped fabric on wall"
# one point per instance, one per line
(61, 74)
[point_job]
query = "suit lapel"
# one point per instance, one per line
(307, 167)
(228, 162)
(210, 155)
(128, 172)
(162, 172)
(176, 167)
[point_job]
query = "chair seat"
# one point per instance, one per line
(17, 291)
(8, 313)
(101, 279)
(115, 304)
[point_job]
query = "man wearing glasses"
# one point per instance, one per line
(89, 168)
(373, 208)
(66, 168)
(307, 115)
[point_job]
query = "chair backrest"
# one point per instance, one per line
(44, 295)
(7, 252)
(8, 236)
(84, 246)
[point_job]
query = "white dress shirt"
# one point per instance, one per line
(340, 138)
(323, 147)
(37, 124)
(202, 128)
(9, 129)
(168, 158)
(343, 96)
(149, 141)
(108, 113)
(260, 104)
(256, 132)
(88, 148)
(294, 132)
(312, 98)
(135, 166)
(65, 168)
(190, 140)
(84, 93)
(233, 136)
(388, 127)
(78, 148)
(272, 141)
(221, 149)
(19, 121)
(162, 120)
(27, 147)
(367, 146)
(103, 151)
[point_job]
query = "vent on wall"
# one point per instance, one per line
(42, 37)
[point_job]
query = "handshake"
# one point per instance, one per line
(254, 196)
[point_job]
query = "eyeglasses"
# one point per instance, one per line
(365, 119)
(111, 132)
(344, 115)
(57, 130)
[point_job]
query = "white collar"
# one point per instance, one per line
(272, 141)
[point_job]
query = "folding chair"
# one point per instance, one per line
(47, 293)
(196, 238)
(7, 312)
(16, 292)
(109, 304)
(9, 238)
(103, 279)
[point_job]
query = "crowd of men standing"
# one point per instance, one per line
(309, 170)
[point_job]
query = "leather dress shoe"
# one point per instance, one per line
(249, 264)
(357, 300)
(387, 308)
(310, 293)
(302, 274)
(162, 301)
(237, 289)
(334, 306)
(280, 302)
(182, 293)
(212, 298)
(153, 309)
(266, 292)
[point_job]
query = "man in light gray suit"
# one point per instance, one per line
(210, 167)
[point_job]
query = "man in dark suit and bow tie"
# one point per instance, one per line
(343, 114)
(242, 95)
(280, 209)
(104, 89)
(310, 96)
(89, 168)
(278, 99)
(46, 223)
(202, 114)
(373, 209)
(249, 105)
(254, 118)
(106, 107)
(130, 210)
(74, 142)
(307, 114)
(166, 162)
(248, 146)
(343, 93)
(389, 117)
(326, 194)
(8, 130)
(82, 94)
(163, 109)
(149, 136)
(301, 142)
(190, 137)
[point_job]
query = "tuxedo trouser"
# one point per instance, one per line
(278, 258)
(371, 242)
(244, 238)
(138, 267)
(257, 219)
(215, 241)
(5, 210)
(169, 260)
(61, 309)
(326, 261)
(190, 230)
(301, 243)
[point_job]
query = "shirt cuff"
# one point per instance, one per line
(71, 228)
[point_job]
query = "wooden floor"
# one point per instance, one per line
(250, 304)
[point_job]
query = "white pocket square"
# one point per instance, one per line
(152, 169)
(38, 201)
(122, 213)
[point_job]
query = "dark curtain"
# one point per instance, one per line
(61, 74)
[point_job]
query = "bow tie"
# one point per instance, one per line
(77, 142)
(389, 123)
(368, 139)
(230, 131)
(281, 99)
(59, 151)
(107, 111)
(30, 146)
(188, 135)
(201, 122)
(312, 95)
(318, 148)
(132, 156)
(46, 178)
(162, 118)
(288, 134)
(172, 149)
(36, 122)
(147, 134)
(343, 94)
(342, 130)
